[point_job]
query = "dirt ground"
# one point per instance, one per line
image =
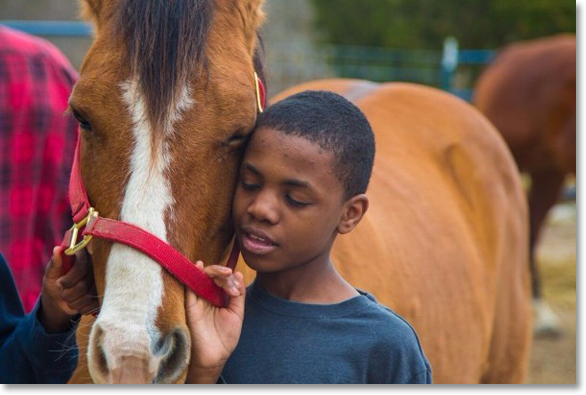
(553, 360)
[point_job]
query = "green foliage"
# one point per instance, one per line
(423, 24)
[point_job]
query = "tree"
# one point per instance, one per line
(424, 24)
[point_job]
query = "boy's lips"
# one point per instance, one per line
(257, 242)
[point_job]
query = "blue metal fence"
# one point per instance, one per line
(51, 28)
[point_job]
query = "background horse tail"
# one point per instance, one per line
(444, 241)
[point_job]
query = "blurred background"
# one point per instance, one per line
(445, 44)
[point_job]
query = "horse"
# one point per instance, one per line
(165, 104)
(529, 94)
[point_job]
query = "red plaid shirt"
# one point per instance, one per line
(37, 142)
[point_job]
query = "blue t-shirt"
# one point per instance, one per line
(355, 341)
(28, 354)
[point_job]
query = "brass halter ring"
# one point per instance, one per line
(73, 247)
(258, 100)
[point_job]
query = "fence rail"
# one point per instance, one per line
(52, 28)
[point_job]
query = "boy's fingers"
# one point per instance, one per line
(240, 282)
(78, 271)
(82, 259)
(217, 271)
(223, 277)
(81, 288)
(190, 298)
(233, 285)
(85, 303)
(236, 303)
(89, 309)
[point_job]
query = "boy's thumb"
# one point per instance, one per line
(55, 267)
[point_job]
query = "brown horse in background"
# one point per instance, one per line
(166, 97)
(529, 94)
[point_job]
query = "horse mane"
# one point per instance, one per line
(165, 43)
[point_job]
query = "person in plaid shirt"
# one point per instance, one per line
(37, 143)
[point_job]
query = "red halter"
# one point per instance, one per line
(90, 224)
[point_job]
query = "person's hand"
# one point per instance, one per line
(64, 296)
(214, 330)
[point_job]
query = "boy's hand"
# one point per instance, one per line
(214, 330)
(64, 296)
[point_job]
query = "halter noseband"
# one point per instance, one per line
(88, 222)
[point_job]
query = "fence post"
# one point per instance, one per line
(449, 62)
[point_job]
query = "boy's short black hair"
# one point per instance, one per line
(336, 125)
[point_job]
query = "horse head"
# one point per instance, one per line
(165, 101)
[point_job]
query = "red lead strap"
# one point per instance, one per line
(90, 224)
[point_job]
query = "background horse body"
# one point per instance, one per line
(162, 126)
(443, 240)
(529, 93)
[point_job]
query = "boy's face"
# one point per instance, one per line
(288, 202)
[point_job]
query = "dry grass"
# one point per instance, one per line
(553, 360)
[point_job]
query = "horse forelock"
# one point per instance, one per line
(164, 42)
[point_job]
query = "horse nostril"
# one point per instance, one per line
(174, 350)
(97, 351)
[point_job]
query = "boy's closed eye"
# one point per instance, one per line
(291, 200)
(296, 202)
(248, 185)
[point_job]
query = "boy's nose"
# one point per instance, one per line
(264, 209)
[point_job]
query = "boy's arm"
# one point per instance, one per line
(45, 357)
(41, 346)
(214, 331)
(28, 354)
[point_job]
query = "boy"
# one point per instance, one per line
(40, 347)
(302, 181)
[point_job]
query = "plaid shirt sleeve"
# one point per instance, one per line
(37, 143)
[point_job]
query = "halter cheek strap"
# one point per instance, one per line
(88, 224)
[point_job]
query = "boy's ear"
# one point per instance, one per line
(352, 212)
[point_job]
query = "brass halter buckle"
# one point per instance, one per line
(257, 91)
(73, 247)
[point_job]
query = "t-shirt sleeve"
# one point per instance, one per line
(423, 377)
(401, 351)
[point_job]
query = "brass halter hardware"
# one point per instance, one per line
(258, 99)
(73, 247)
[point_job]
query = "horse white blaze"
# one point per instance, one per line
(134, 283)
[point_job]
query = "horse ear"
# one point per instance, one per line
(254, 9)
(91, 10)
(253, 16)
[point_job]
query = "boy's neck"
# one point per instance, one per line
(320, 285)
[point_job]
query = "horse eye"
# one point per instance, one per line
(235, 138)
(82, 122)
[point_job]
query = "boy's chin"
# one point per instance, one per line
(259, 264)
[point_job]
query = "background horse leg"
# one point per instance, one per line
(546, 187)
